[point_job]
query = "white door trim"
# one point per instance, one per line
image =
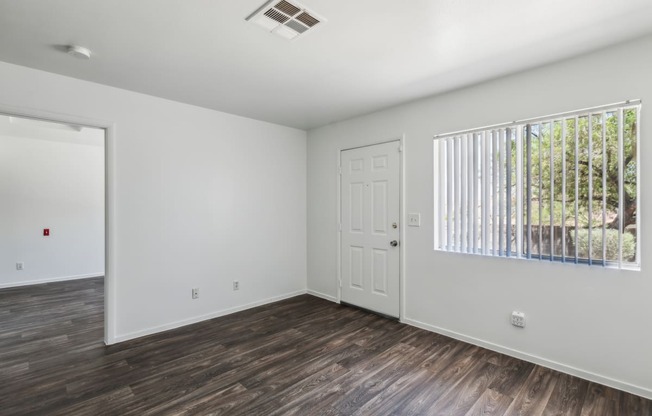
(401, 277)
(110, 301)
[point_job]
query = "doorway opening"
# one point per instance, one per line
(53, 230)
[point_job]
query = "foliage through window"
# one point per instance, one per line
(561, 188)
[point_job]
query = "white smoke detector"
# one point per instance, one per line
(79, 52)
(284, 18)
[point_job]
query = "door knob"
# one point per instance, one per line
(393, 243)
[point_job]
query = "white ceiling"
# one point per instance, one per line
(370, 54)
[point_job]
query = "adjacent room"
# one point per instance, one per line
(325, 208)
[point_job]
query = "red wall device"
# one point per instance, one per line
(46, 232)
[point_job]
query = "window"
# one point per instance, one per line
(560, 188)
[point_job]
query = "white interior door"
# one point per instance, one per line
(370, 211)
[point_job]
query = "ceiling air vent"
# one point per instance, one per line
(279, 17)
(288, 8)
(284, 18)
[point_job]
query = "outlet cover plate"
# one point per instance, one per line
(518, 319)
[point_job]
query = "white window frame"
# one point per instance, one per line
(479, 175)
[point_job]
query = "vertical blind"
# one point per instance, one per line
(561, 188)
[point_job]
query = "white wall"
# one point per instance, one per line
(201, 198)
(608, 338)
(51, 176)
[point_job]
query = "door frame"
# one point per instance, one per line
(110, 301)
(402, 220)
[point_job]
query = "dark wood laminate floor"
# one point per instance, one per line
(302, 356)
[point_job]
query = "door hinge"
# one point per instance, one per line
(340, 170)
(340, 283)
(400, 148)
(340, 227)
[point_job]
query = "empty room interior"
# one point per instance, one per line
(325, 207)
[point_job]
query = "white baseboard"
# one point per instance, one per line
(50, 280)
(587, 375)
(200, 318)
(322, 295)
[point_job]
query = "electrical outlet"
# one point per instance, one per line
(414, 220)
(518, 319)
(236, 285)
(20, 265)
(195, 293)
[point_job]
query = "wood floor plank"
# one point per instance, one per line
(512, 377)
(370, 380)
(302, 391)
(472, 386)
(301, 356)
(490, 403)
(534, 396)
(601, 401)
(406, 399)
(568, 397)
(634, 405)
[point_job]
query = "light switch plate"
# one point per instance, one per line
(414, 220)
